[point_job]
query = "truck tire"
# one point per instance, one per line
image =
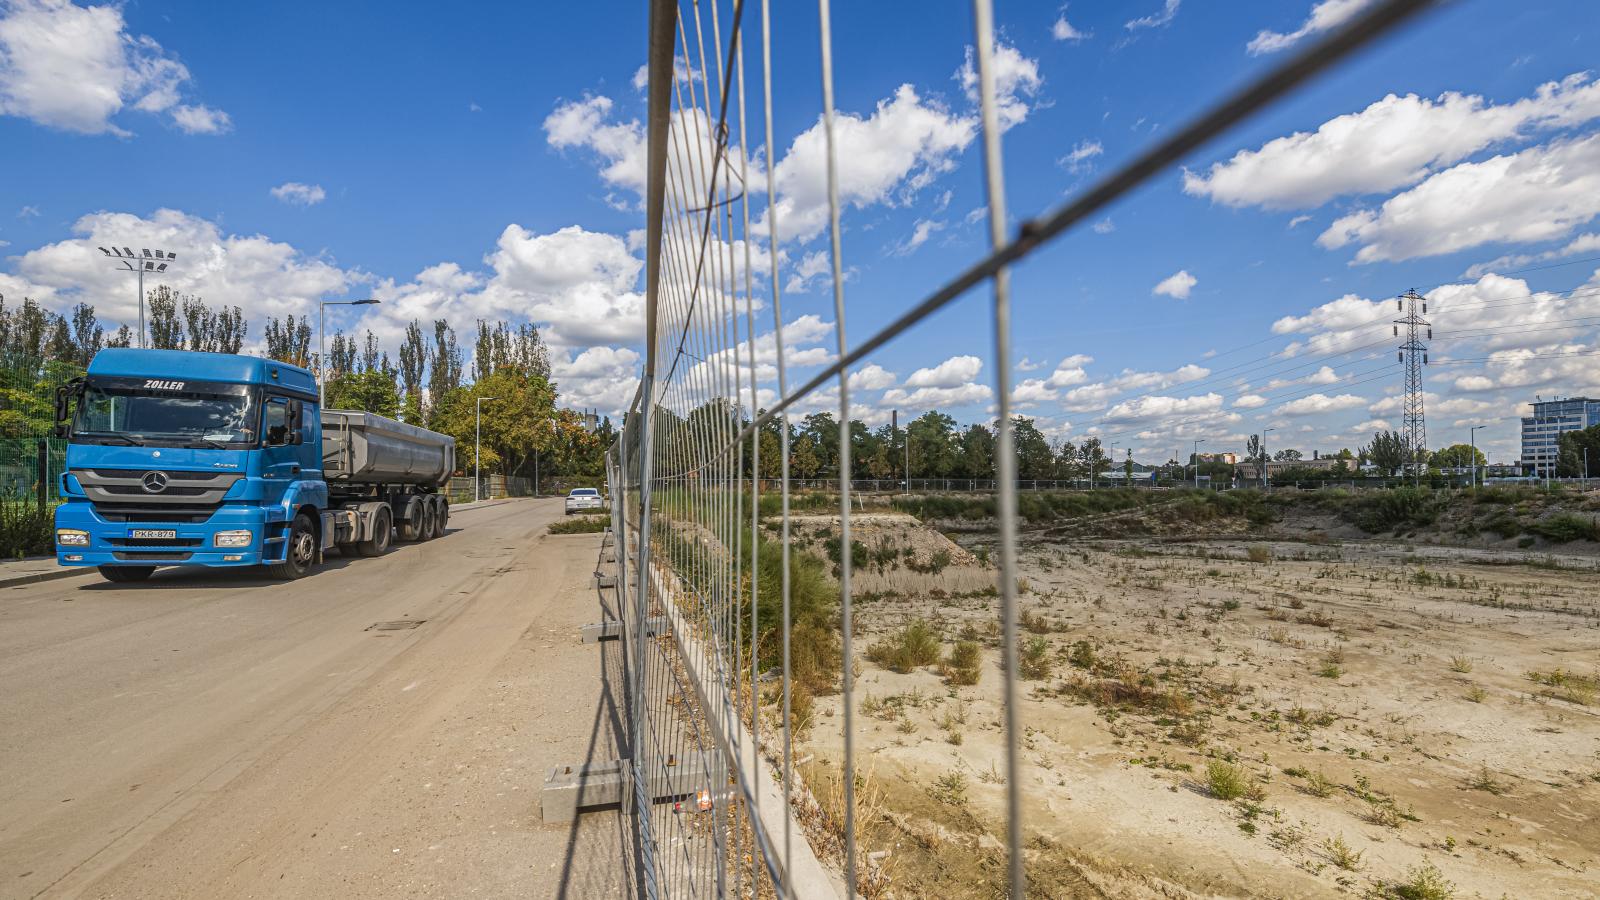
(126, 573)
(300, 554)
(382, 536)
(441, 517)
(427, 530)
(410, 530)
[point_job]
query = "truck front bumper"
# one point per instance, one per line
(114, 544)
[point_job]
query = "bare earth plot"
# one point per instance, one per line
(226, 736)
(1289, 716)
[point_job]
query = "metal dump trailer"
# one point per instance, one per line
(362, 447)
(384, 474)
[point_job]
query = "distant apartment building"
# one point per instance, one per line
(1541, 432)
(1228, 458)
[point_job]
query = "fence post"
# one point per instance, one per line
(43, 448)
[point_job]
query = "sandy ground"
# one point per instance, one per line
(226, 736)
(1388, 711)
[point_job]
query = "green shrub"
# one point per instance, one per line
(1425, 882)
(1390, 510)
(26, 529)
(1563, 528)
(580, 525)
(917, 644)
(1033, 659)
(1227, 781)
(964, 664)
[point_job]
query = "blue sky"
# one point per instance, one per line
(483, 162)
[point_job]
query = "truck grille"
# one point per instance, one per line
(150, 556)
(122, 495)
(153, 542)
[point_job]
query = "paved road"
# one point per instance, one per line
(224, 735)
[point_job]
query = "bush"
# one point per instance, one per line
(1425, 882)
(1563, 528)
(1391, 510)
(917, 644)
(964, 665)
(580, 525)
(26, 529)
(1033, 659)
(1227, 781)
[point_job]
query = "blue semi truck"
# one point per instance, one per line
(179, 458)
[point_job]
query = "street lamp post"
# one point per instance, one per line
(141, 262)
(1472, 438)
(1266, 462)
(322, 342)
(477, 449)
(1197, 463)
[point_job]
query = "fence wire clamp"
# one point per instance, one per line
(612, 629)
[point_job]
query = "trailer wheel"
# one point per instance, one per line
(300, 555)
(126, 573)
(441, 517)
(430, 518)
(382, 535)
(410, 530)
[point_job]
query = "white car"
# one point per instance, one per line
(579, 499)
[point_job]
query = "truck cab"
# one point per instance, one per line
(181, 458)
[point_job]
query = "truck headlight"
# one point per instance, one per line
(72, 537)
(233, 539)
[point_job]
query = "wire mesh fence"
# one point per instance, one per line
(732, 634)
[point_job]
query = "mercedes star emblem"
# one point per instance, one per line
(155, 482)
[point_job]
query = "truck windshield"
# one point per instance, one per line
(218, 415)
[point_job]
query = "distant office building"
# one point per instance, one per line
(1541, 432)
(1228, 458)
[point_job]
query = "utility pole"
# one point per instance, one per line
(1266, 461)
(1196, 460)
(477, 449)
(1414, 355)
(151, 261)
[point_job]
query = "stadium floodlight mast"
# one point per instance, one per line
(143, 261)
(322, 346)
(477, 449)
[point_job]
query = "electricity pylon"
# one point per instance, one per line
(1414, 355)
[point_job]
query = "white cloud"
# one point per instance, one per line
(296, 194)
(201, 119)
(1063, 30)
(1249, 401)
(920, 232)
(1070, 371)
(886, 158)
(1016, 83)
(1325, 16)
(1144, 409)
(1394, 142)
(28, 212)
(952, 372)
(1104, 226)
(1177, 285)
(1317, 404)
(812, 267)
(1583, 243)
(1158, 20)
(1297, 221)
(871, 377)
(941, 398)
(1535, 195)
(1079, 158)
(263, 276)
(584, 123)
(602, 378)
(580, 282)
(75, 68)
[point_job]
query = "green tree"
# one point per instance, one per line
(444, 373)
(823, 429)
(1459, 456)
(372, 392)
(933, 445)
(804, 460)
(517, 424)
(1093, 457)
(1570, 453)
(1034, 456)
(289, 340)
(1387, 451)
(1289, 455)
(977, 452)
(413, 368)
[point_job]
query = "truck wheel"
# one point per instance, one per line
(382, 534)
(410, 531)
(126, 573)
(441, 517)
(301, 553)
(430, 519)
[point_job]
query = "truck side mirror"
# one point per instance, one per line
(297, 437)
